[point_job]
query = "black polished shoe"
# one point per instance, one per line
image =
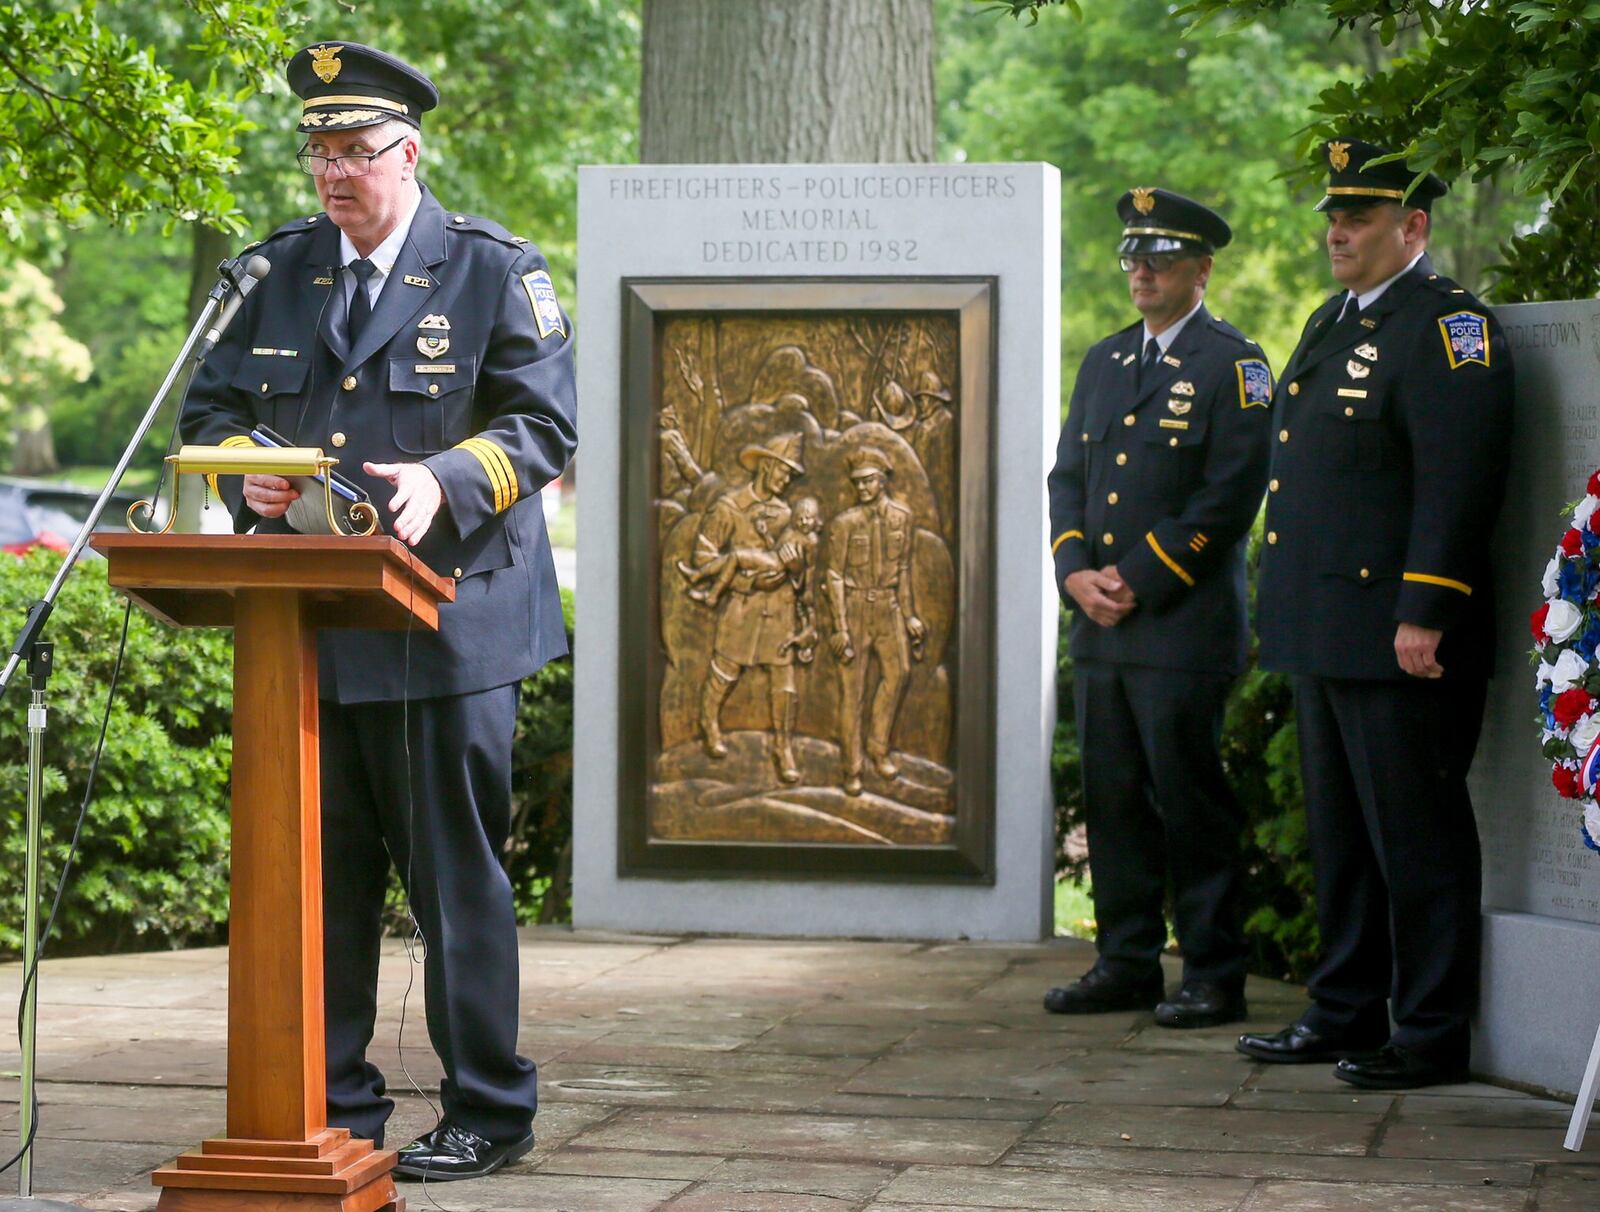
(450, 1152)
(1298, 1044)
(1397, 1068)
(1098, 991)
(1202, 1004)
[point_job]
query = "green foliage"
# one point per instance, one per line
(538, 854)
(38, 359)
(153, 865)
(1261, 754)
(1502, 89)
(92, 122)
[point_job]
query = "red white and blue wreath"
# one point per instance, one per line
(1566, 634)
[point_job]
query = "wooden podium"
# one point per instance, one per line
(276, 592)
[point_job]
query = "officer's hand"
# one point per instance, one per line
(1123, 596)
(269, 496)
(839, 642)
(1091, 589)
(1416, 647)
(416, 499)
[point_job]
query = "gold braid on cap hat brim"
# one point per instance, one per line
(1164, 231)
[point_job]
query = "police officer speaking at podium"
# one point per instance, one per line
(426, 349)
(1158, 477)
(1391, 432)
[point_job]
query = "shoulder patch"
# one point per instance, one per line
(1255, 382)
(1466, 338)
(546, 308)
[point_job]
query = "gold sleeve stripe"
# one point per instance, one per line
(1169, 561)
(1423, 578)
(237, 439)
(497, 467)
(1069, 534)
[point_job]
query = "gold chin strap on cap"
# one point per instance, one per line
(239, 456)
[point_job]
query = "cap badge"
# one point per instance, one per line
(1339, 156)
(325, 62)
(1183, 388)
(432, 341)
(1369, 352)
(1144, 200)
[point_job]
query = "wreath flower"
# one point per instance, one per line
(1566, 637)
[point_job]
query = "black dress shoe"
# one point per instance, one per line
(1202, 1004)
(1397, 1068)
(1098, 991)
(1299, 1044)
(450, 1152)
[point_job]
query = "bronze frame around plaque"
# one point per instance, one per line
(970, 859)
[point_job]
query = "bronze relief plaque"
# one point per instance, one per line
(806, 643)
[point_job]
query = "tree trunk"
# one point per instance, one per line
(787, 81)
(208, 249)
(34, 453)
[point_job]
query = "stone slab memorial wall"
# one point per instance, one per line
(1541, 891)
(816, 638)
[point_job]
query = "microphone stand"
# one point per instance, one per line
(32, 648)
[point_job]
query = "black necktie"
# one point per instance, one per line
(360, 304)
(1152, 355)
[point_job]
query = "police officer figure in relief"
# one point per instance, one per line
(427, 350)
(1158, 478)
(1391, 429)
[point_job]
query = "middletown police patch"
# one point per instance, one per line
(546, 310)
(1255, 383)
(1466, 338)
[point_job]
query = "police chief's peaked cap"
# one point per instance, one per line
(1160, 221)
(1353, 180)
(346, 86)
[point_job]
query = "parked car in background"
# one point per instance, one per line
(42, 513)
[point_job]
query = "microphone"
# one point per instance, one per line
(243, 282)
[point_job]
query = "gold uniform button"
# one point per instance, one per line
(433, 389)
(1283, 435)
(456, 573)
(1083, 437)
(1172, 441)
(1349, 412)
(338, 439)
(460, 219)
(1122, 460)
(1365, 573)
(1128, 420)
(1273, 486)
(1272, 536)
(1294, 389)
(263, 389)
(1111, 499)
(349, 383)
(1108, 538)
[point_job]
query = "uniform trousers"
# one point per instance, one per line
(1158, 803)
(457, 805)
(1394, 847)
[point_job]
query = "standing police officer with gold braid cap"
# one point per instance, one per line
(1158, 477)
(427, 350)
(1391, 432)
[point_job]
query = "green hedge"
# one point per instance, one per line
(1261, 755)
(152, 870)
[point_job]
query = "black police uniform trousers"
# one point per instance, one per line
(457, 807)
(1157, 803)
(1395, 850)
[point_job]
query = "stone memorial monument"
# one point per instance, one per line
(1541, 890)
(816, 635)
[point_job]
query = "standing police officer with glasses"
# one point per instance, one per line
(427, 348)
(1392, 427)
(1158, 478)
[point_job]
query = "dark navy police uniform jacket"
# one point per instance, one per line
(492, 414)
(1164, 479)
(1391, 440)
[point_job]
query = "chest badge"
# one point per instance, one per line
(433, 339)
(1171, 361)
(1178, 407)
(1357, 370)
(1183, 388)
(1369, 352)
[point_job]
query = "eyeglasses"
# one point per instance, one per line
(358, 165)
(1156, 263)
